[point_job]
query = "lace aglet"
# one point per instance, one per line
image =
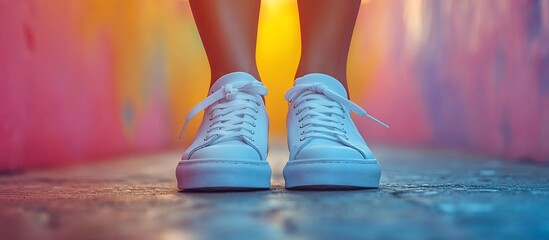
(182, 130)
(384, 125)
(377, 121)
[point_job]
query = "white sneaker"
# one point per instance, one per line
(229, 151)
(326, 149)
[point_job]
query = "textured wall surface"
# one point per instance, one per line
(85, 79)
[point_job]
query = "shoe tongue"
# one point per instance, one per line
(327, 80)
(231, 78)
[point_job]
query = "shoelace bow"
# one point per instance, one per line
(316, 118)
(234, 114)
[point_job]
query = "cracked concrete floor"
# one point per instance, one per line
(425, 194)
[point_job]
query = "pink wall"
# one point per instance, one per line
(82, 80)
(467, 74)
(85, 79)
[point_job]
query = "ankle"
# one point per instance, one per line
(215, 75)
(341, 77)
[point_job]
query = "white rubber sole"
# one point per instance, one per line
(222, 175)
(332, 174)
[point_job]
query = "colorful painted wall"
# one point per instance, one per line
(83, 80)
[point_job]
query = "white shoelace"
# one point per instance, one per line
(233, 114)
(318, 117)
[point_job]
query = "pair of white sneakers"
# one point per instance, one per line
(229, 151)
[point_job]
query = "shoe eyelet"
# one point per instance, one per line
(301, 139)
(300, 125)
(206, 138)
(253, 139)
(253, 125)
(253, 132)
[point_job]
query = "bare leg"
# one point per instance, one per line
(228, 29)
(326, 30)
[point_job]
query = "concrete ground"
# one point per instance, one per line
(425, 194)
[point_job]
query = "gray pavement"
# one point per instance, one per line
(425, 194)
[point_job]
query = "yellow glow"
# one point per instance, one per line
(277, 56)
(141, 31)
